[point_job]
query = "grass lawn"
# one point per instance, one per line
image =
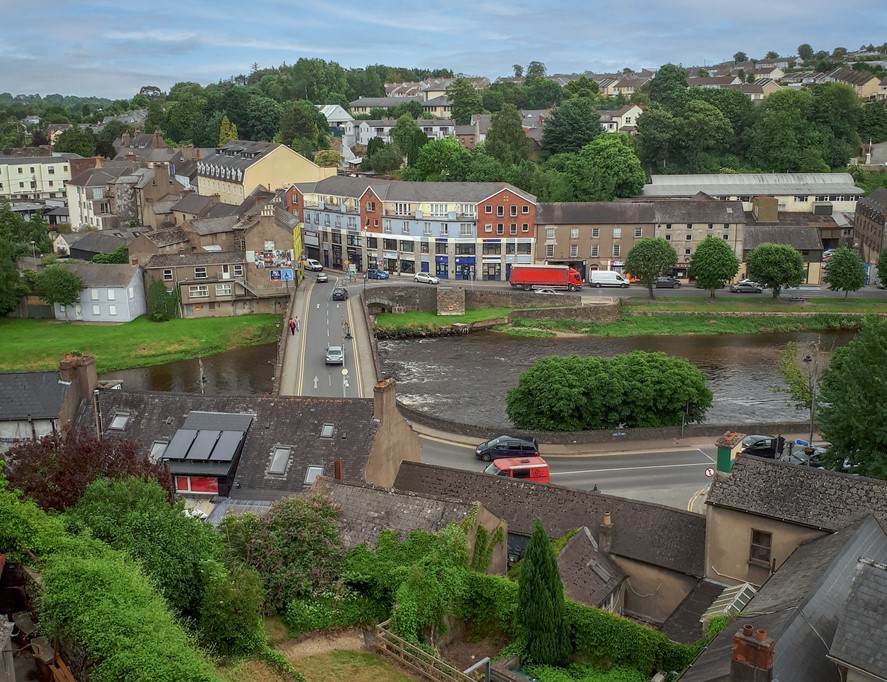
(354, 666)
(430, 320)
(41, 344)
(764, 303)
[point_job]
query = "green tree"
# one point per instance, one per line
(328, 158)
(668, 87)
(573, 125)
(162, 304)
(657, 130)
(319, 81)
(740, 57)
(263, 118)
(55, 284)
(776, 266)
(385, 160)
(836, 109)
(518, 71)
(465, 99)
(733, 104)
(873, 123)
(853, 403)
(771, 55)
(535, 70)
(650, 258)
(227, 131)
(713, 264)
(799, 373)
(541, 93)
(11, 289)
(581, 87)
(302, 122)
(439, 160)
(845, 272)
(542, 607)
(408, 137)
(783, 139)
(882, 268)
(76, 140)
(805, 52)
(120, 255)
(506, 140)
(704, 135)
(104, 141)
(604, 169)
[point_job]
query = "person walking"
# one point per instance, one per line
(292, 326)
(298, 324)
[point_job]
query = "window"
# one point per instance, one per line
(199, 273)
(726, 237)
(688, 237)
(689, 226)
(711, 225)
(500, 210)
(312, 474)
(761, 542)
(549, 232)
(132, 293)
(167, 275)
(574, 233)
(513, 228)
(638, 232)
(465, 249)
(514, 210)
(687, 252)
(112, 296)
(465, 229)
(198, 291)
(617, 232)
(574, 250)
(238, 271)
(525, 209)
(668, 226)
(444, 229)
(387, 226)
(327, 431)
(488, 209)
(668, 237)
(97, 310)
(223, 289)
(549, 250)
(406, 228)
(616, 249)
(594, 250)
(112, 309)
(525, 227)
(426, 228)
(500, 228)
(595, 232)
(401, 209)
(158, 447)
(371, 206)
(800, 198)
(438, 210)
(94, 294)
(280, 460)
(119, 421)
(52, 183)
(488, 227)
(492, 248)
(51, 170)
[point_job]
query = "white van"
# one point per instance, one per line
(607, 278)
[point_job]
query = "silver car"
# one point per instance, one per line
(425, 278)
(335, 355)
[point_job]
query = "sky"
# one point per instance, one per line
(109, 48)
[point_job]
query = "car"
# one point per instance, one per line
(373, 273)
(752, 282)
(746, 288)
(425, 278)
(313, 265)
(548, 292)
(800, 456)
(751, 439)
(322, 277)
(335, 355)
(667, 283)
(764, 446)
(340, 294)
(507, 446)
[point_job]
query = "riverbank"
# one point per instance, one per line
(40, 344)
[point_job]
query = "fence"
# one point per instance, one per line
(415, 658)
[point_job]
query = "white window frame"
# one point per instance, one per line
(223, 289)
(200, 272)
(198, 291)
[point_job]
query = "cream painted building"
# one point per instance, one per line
(236, 169)
(34, 177)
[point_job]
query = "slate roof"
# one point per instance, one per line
(368, 510)
(861, 638)
(877, 201)
(394, 190)
(194, 203)
(236, 155)
(36, 394)
(651, 533)
(742, 184)
(204, 226)
(173, 235)
(166, 260)
(383, 102)
(809, 496)
(99, 177)
(102, 274)
(696, 209)
(595, 213)
(98, 242)
(589, 575)
(35, 160)
(851, 76)
(684, 624)
(279, 421)
(800, 237)
(799, 607)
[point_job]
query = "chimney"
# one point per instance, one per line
(384, 399)
(752, 656)
(605, 534)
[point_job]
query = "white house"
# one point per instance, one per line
(622, 120)
(361, 132)
(335, 115)
(111, 293)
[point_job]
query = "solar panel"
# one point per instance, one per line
(204, 444)
(180, 444)
(226, 446)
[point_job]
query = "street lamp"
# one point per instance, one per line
(33, 248)
(811, 386)
(344, 382)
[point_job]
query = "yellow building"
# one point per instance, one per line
(235, 170)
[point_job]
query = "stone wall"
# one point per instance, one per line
(412, 297)
(607, 312)
(451, 301)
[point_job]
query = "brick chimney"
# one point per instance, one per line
(752, 656)
(384, 399)
(605, 534)
(79, 371)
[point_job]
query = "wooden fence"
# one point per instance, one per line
(415, 658)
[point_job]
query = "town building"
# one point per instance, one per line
(869, 225)
(34, 177)
(455, 230)
(235, 170)
(111, 293)
(622, 120)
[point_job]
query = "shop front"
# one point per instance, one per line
(442, 266)
(311, 244)
(466, 267)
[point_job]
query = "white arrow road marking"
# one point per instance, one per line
(315, 383)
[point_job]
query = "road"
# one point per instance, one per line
(322, 326)
(671, 476)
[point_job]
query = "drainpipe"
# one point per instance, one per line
(97, 413)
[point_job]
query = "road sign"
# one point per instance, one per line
(710, 472)
(802, 443)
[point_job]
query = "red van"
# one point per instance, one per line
(533, 469)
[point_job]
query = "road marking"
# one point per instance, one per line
(620, 453)
(446, 442)
(315, 383)
(696, 495)
(709, 457)
(354, 353)
(300, 366)
(603, 471)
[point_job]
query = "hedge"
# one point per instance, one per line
(328, 610)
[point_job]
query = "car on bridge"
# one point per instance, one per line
(322, 277)
(335, 355)
(340, 294)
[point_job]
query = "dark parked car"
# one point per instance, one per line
(507, 446)
(763, 446)
(340, 294)
(667, 283)
(373, 273)
(746, 288)
(800, 456)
